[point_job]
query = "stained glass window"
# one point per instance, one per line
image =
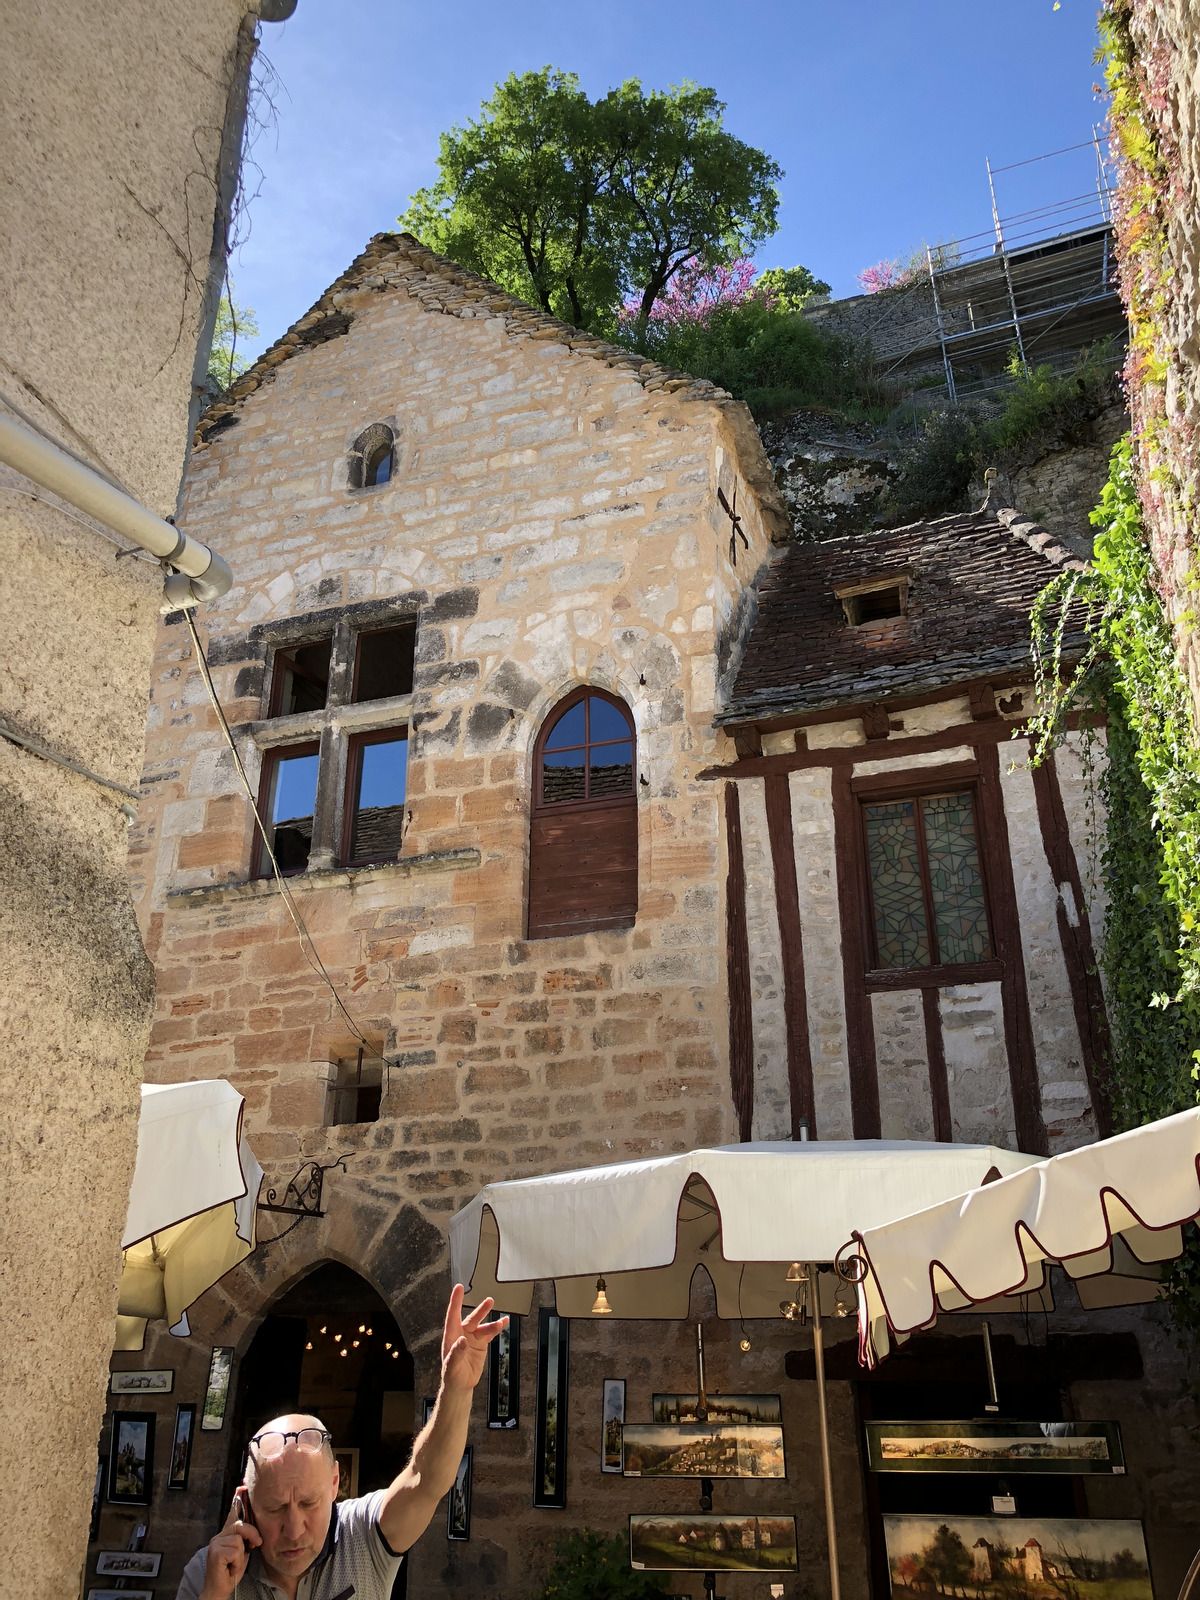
(923, 861)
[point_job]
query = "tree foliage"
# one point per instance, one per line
(234, 327)
(578, 204)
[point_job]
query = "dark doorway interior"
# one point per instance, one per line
(330, 1346)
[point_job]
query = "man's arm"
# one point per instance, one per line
(409, 1504)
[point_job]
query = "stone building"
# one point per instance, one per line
(120, 151)
(575, 767)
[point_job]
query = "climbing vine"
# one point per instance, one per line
(1129, 678)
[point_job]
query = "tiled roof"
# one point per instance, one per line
(973, 581)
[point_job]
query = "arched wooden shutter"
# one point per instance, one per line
(583, 833)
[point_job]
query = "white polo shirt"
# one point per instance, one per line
(356, 1562)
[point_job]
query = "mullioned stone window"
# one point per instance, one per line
(335, 740)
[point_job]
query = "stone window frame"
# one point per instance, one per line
(364, 445)
(333, 727)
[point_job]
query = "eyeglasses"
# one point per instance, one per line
(274, 1444)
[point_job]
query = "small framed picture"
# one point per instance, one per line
(131, 1458)
(347, 1465)
(127, 1564)
(504, 1377)
(612, 1412)
(181, 1447)
(550, 1429)
(458, 1511)
(427, 1411)
(159, 1381)
(216, 1396)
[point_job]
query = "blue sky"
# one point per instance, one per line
(881, 114)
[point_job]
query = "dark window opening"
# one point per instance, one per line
(375, 789)
(927, 893)
(356, 1092)
(301, 681)
(377, 467)
(384, 663)
(583, 832)
(874, 602)
(287, 801)
(372, 457)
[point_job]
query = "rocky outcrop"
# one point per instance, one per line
(834, 476)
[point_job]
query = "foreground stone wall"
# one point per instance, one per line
(112, 123)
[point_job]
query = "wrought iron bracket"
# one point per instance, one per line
(302, 1196)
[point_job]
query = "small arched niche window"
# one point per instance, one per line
(372, 456)
(583, 830)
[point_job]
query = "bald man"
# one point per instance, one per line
(287, 1537)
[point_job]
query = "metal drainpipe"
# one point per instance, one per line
(200, 573)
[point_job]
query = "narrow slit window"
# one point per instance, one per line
(287, 803)
(383, 663)
(377, 468)
(927, 895)
(356, 1093)
(301, 681)
(375, 793)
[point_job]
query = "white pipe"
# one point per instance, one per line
(81, 487)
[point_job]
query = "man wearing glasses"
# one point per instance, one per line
(287, 1537)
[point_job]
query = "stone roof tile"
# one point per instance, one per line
(973, 579)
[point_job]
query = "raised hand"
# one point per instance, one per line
(465, 1341)
(229, 1552)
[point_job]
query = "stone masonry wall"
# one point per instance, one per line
(558, 525)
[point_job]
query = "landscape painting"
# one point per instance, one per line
(712, 1543)
(701, 1450)
(612, 1416)
(1017, 1447)
(762, 1409)
(1017, 1558)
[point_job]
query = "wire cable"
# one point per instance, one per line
(302, 933)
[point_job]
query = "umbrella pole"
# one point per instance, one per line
(835, 1587)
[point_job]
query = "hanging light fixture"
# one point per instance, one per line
(308, 1346)
(344, 1351)
(743, 1344)
(845, 1303)
(601, 1307)
(387, 1344)
(324, 1330)
(395, 1355)
(362, 1327)
(356, 1344)
(794, 1310)
(337, 1336)
(370, 1331)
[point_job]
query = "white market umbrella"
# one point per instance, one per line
(192, 1203)
(744, 1212)
(1109, 1213)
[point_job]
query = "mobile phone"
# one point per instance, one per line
(241, 1504)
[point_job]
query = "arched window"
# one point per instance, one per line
(583, 831)
(372, 456)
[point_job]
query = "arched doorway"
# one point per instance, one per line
(330, 1346)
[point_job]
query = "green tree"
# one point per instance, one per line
(234, 327)
(578, 204)
(791, 288)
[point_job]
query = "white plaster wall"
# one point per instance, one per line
(928, 758)
(772, 1117)
(820, 923)
(1066, 1100)
(917, 721)
(981, 1108)
(902, 1060)
(1083, 805)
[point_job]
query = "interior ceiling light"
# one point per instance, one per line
(308, 1346)
(344, 1351)
(387, 1344)
(324, 1330)
(796, 1273)
(362, 1327)
(601, 1307)
(356, 1344)
(337, 1336)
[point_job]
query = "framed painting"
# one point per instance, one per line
(127, 1564)
(997, 1557)
(120, 1594)
(347, 1465)
(458, 1508)
(504, 1377)
(1084, 1448)
(131, 1458)
(701, 1450)
(612, 1418)
(181, 1447)
(216, 1395)
(97, 1498)
(550, 1428)
(762, 1410)
(711, 1543)
(158, 1381)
